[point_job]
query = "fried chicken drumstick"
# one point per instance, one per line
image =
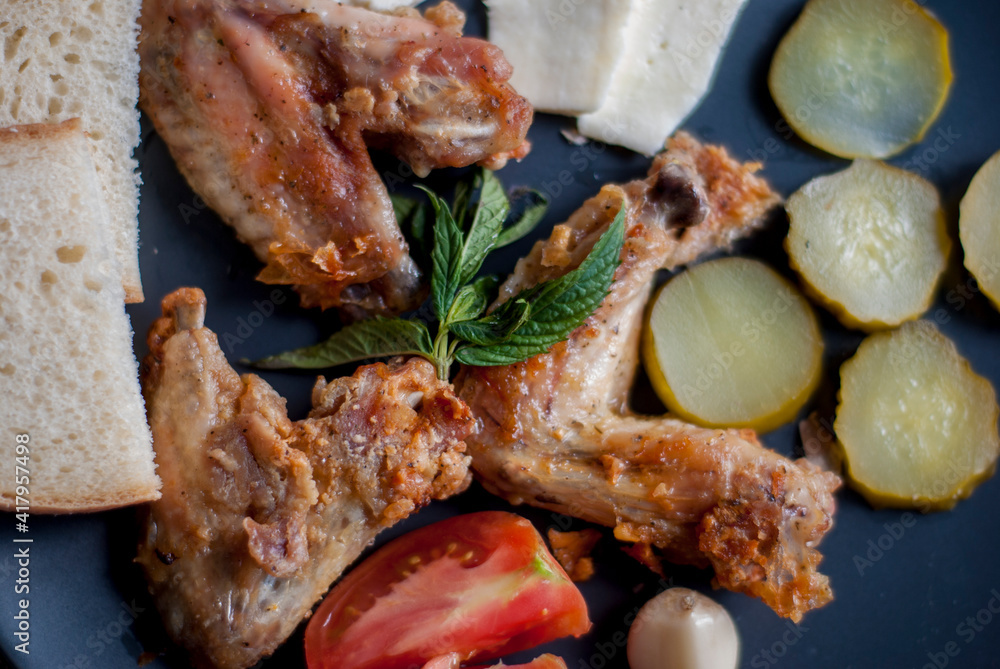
(259, 514)
(556, 431)
(269, 107)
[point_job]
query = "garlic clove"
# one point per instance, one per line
(682, 629)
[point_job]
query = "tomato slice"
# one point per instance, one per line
(479, 586)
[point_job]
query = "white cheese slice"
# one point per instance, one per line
(563, 51)
(671, 51)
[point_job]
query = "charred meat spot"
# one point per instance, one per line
(674, 188)
(165, 558)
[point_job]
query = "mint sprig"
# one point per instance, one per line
(528, 324)
(376, 338)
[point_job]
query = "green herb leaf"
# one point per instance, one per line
(463, 196)
(403, 206)
(493, 204)
(472, 300)
(526, 325)
(485, 228)
(468, 304)
(486, 286)
(446, 257)
(532, 215)
(411, 216)
(559, 306)
(378, 338)
(493, 329)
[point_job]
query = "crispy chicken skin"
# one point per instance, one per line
(556, 430)
(269, 107)
(259, 514)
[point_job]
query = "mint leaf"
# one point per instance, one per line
(493, 204)
(446, 257)
(487, 356)
(468, 304)
(531, 216)
(559, 306)
(411, 216)
(494, 328)
(403, 206)
(486, 286)
(486, 225)
(378, 338)
(528, 324)
(463, 196)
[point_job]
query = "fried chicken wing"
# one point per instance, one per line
(259, 514)
(556, 430)
(269, 107)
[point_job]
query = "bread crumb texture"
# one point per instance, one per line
(68, 376)
(67, 59)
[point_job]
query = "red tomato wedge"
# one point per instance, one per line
(478, 586)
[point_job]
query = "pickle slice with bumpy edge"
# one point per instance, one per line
(979, 228)
(862, 78)
(869, 242)
(730, 343)
(917, 426)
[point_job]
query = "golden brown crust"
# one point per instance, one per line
(309, 98)
(260, 514)
(572, 550)
(557, 433)
(56, 506)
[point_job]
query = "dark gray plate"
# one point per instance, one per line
(911, 590)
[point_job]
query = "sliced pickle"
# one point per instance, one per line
(918, 427)
(730, 343)
(979, 228)
(869, 242)
(862, 78)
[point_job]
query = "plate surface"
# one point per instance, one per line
(911, 590)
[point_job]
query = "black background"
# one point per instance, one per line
(904, 608)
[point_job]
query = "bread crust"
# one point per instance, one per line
(64, 334)
(79, 59)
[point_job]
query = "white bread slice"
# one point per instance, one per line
(68, 376)
(66, 59)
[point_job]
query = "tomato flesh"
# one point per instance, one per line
(478, 586)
